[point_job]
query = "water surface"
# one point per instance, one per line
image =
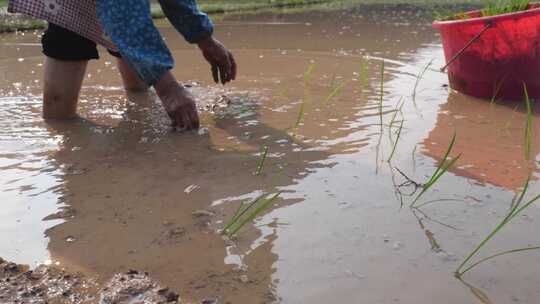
(111, 191)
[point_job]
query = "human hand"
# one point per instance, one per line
(220, 58)
(178, 102)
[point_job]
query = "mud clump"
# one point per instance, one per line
(136, 287)
(44, 284)
(49, 285)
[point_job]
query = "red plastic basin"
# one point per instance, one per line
(506, 56)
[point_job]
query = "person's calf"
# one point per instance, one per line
(61, 86)
(132, 81)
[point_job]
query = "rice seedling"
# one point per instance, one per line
(477, 292)
(399, 109)
(335, 91)
(443, 167)
(333, 81)
(432, 220)
(396, 142)
(499, 7)
(516, 208)
(441, 200)
(241, 216)
(381, 97)
(446, 15)
(492, 8)
(300, 116)
(528, 125)
(309, 72)
(496, 90)
(282, 93)
(419, 78)
(363, 73)
(413, 156)
(509, 122)
(260, 165)
(378, 151)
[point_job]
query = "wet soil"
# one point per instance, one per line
(117, 190)
(48, 284)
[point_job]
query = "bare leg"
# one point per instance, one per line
(61, 86)
(132, 81)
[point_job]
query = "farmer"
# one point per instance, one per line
(143, 58)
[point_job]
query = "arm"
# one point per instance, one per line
(197, 28)
(186, 17)
(129, 25)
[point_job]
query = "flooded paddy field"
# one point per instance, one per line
(117, 190)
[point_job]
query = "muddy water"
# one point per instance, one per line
(116, 190)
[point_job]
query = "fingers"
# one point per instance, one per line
(215, 73)
(223, 73)
(233, 66)
(194, 118)
(226, 70)
(186, 118)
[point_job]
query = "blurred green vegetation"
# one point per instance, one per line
(9, 23)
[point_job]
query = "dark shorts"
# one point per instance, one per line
(62, 44)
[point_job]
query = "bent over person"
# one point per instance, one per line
(127, 30)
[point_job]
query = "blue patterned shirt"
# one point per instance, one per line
(129, 25)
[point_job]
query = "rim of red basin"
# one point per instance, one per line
(533, 10)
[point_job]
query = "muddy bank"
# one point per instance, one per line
(50, 285)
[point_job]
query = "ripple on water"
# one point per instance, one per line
(30, 183)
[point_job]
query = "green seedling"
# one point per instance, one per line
(443, 167)
(309, 72)
(499, 7)
(260, 165)
(528, 125)
(300, 116)
(419, 78)
(335, 91)
(413, 155)
(496, 90)
(447, 15)
(396, 142)
(381, 95)
(333, 81)
(363, 73)
(241, 217)
(477, 292)
(516, 208)
(492, 8)
(399, 109)
(509, 122)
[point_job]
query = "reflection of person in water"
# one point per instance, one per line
(143, 57)
(127, 220)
